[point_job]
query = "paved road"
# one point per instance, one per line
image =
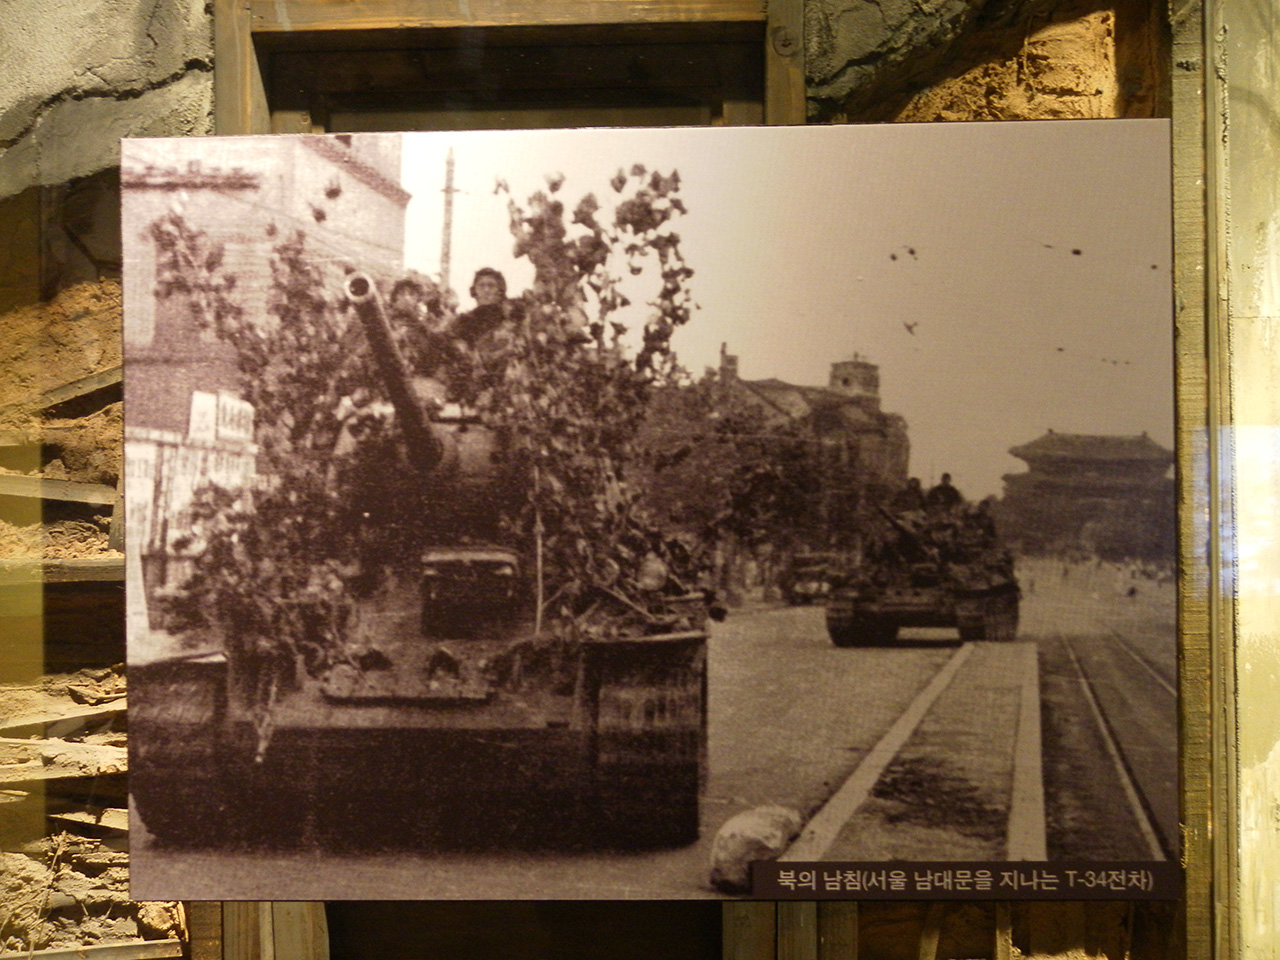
(790, 716)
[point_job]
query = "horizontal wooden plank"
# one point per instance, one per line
(40, 434)
(114, 819)
(25, 572)
(62, 722)
(67, 491)
(82, 387)
(275, 16)
(126, 950)
(25, 761)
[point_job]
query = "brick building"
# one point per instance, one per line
(863, 447)
(186, 423)
(342, 192)
(1112, 496)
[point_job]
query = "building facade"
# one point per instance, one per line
(1108, 496)
(342, 193)
(861, 443)
(856, 453)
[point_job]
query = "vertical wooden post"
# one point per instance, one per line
(239, 97)
(204, 929)
(242, 931)
(798, 930)
(932, 931)
(1199, 403)
(1004, 931)
(300, 931)
(749, 930)
(838, 930)
(1242, 73)
(784, 100)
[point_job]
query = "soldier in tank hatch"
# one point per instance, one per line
(492, 309)
(943, 496)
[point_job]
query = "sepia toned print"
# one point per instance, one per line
(594, 514)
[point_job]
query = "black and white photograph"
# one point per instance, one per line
(623, 513)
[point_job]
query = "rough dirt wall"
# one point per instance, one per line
(48, 344)
(94, 71)
(962, 60)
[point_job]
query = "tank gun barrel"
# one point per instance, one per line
(425, 448)
(897, 524)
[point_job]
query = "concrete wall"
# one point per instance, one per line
(91, 72)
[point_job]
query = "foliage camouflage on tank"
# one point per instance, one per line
(442, 597)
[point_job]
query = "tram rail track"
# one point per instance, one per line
(1138, 806)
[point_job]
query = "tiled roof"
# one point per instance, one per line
(1083, 446)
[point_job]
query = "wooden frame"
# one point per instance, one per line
(1205, 321)
(244, 28)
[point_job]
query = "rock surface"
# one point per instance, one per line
(759, 834)
(974, 60)
(95, 71)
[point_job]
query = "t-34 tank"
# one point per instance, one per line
(943, 567)
(446, 715)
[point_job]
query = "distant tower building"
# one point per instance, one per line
(728, 364)
(856, 378)
(867, 448)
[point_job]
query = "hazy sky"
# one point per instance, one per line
(945, 253)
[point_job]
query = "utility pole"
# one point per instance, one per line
(447, 239)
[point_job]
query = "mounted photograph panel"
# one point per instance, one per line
(612, 513)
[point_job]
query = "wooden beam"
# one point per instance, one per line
(128, 950)
(300, 931)
(67, 491)
(784, 92)
(57, 723)
(838, 930)
(246, 931)
(25, 761)
(1201, 643)
(90, 569)
(114, 819)
(1004, 931)
(798, 930)
(1242, 137)
(239, 98)
(40, 434)
(932, 931)
(82, 387)
(204, 929)
(287, 16)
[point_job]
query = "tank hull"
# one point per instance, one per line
(614, 759)
(855, 617)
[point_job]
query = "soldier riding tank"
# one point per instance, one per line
(447, 715)
(927, 568)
